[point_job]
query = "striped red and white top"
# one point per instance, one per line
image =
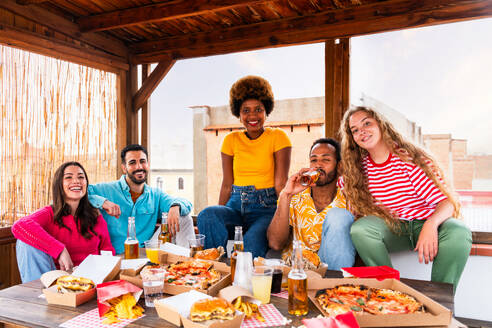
(402, 187)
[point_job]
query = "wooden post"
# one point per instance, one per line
(145, 129)
(131, 114)
(121, 117)
(337, 74)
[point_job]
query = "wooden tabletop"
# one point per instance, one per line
(20, 305)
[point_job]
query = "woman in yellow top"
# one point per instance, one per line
(255, 166)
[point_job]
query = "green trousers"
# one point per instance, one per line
(374, 241)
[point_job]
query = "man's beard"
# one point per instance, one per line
(134, 179)
(330, 177)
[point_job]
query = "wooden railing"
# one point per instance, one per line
(9, 273)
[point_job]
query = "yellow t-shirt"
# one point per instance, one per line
(253, 162)
(306, 222)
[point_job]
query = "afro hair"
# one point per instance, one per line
(250, 87)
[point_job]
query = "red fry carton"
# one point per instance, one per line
(379, 272)
(112, 289)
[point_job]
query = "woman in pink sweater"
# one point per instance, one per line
(63, 234)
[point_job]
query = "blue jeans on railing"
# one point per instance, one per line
(251, 208)
(32, 262)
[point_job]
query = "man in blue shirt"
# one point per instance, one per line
(131, 196)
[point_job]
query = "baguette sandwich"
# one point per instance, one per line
(72, 283)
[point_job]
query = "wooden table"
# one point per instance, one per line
(20, 306)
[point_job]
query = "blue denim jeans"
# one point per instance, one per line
(251, 208)
(336, 248)
(32, 262)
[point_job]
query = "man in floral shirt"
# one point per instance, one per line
(315, 214)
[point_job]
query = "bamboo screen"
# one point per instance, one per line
(52, 111)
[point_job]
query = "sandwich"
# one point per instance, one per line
(210, 254)
(212, 308)
(72, 283)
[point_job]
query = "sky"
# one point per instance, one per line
(439, 77)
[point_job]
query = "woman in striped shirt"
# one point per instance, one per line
(398, 192)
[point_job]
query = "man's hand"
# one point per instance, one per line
(173, 220)
(293, 185)
(427, 244)
(111, 208)
(65, 260)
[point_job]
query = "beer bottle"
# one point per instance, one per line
(297, 279)
(164, 236)
(238, 247)
(131, 242)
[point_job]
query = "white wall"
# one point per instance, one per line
(473, 296)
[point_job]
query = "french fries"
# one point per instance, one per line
(250, 310)
(122, 307)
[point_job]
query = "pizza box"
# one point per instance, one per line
(171, 289)
(95, 267)
(133, 267)
(176, 310)
(435, 315)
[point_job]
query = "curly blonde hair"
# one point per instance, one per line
(251, 87)
(356, 186)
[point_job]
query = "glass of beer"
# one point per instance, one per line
(309, 177)
(261, 279)
(196, 244)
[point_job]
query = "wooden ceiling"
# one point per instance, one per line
(148, 31)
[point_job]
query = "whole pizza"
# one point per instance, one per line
(361, 299)
(194, 273)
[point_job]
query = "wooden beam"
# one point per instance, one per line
(157, 12)
(365, 19)
(149, 85)
(56, 48)
(29, 2)
(65, 27)
(337, 73)
(145, 131)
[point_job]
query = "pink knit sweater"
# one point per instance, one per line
(40, 231)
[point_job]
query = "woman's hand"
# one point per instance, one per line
(65, 260)
(427, 244)
(173, 220)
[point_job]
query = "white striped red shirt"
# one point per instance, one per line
(402, 187)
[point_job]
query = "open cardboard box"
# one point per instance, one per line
(435, 314)
(168, 258)
(95, 267)
(133, 267)
(176, 310)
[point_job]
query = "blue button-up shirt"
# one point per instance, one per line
(147, 210)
